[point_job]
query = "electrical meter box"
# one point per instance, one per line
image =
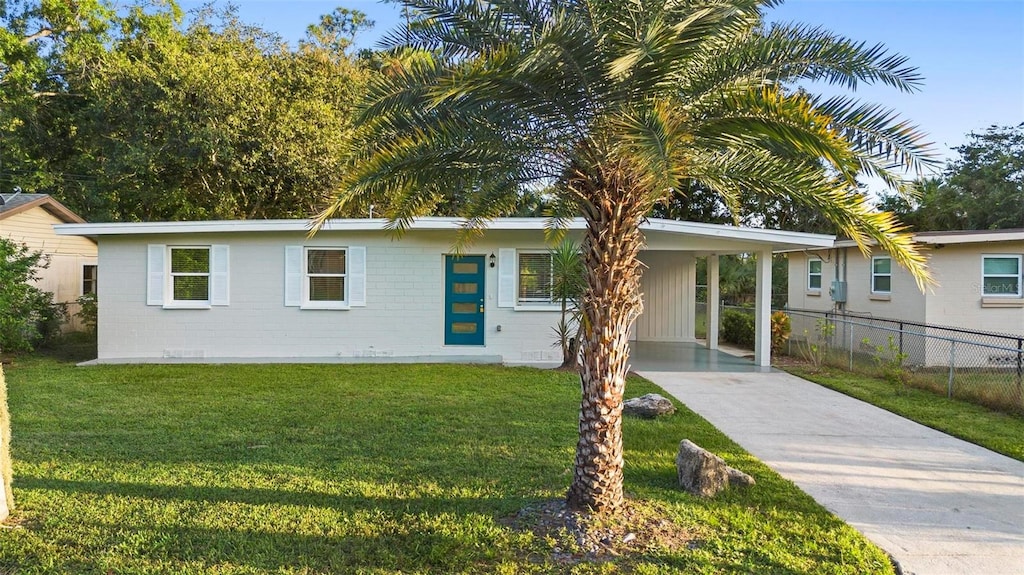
(838, 291)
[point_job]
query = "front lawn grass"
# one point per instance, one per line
(359, 468)
(995, 430)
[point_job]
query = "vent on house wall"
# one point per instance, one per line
(184, 354)
(1003, 360)
(540, 356)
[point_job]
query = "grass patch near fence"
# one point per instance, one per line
(995, 430)
(360, 468)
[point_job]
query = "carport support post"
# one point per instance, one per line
(763, 310)
(713, 302)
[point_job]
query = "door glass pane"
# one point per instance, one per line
(326, 289)
(1001, 266)
(463, 327)
(463, 308)
(465, 267)
(464, 288)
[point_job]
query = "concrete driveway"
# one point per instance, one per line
(938, 505)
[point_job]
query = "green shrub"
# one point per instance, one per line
(87, 311)
(28, 316)
(738, 328)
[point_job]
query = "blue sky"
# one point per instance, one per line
(971, 52)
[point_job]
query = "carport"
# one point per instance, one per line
(669, 286)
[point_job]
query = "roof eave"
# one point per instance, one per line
(780, 239)
(57, 209)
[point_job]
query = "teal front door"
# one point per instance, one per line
(464, 300)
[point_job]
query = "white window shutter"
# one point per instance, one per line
(356, 276)
(293, 276)
(219, 277)
(155, 274)
(506, 277)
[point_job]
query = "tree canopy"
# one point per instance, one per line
(981, 189)
(132, 114)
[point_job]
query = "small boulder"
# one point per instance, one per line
(648, 406)
(737, 477)
(703, 473)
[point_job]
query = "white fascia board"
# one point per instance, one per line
(935, 238)
(235, 226)
(780, 239)
(972, 238)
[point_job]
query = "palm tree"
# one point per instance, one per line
(619, 104)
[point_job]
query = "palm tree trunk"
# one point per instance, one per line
(611, 303)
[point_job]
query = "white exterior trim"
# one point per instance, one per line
(1020, 275)
(781, 240)
(872, 275)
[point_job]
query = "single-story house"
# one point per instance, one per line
(263, 291)
(28, 219)
(979, 284)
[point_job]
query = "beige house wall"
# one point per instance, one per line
(956, 300)
(904, 301)
(959, 302)
(67, 254)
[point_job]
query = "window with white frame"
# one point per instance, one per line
(881, 274)
(535, 278)
(89, 275)
(1001, 275)
(814, 274)
(324, 276)
(189, 278)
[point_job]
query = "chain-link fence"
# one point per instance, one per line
(981, 367)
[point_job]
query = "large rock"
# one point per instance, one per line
(703, 473)
(649, 406)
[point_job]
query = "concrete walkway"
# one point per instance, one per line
(938, 505)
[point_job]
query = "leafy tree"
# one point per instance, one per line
(28, 315)
(982, 189)
(621, 104)
(44, 46)
(214, 120)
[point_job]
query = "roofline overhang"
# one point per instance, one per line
(955, 237)
(783, 239)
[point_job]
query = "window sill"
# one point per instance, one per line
(880, 297)
(1011, 301)
(186, 305)
(325, 306)
(813, 293)
(538, 307)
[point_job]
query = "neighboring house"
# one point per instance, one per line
(264, 291)
(979, 283)
(28, 219)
